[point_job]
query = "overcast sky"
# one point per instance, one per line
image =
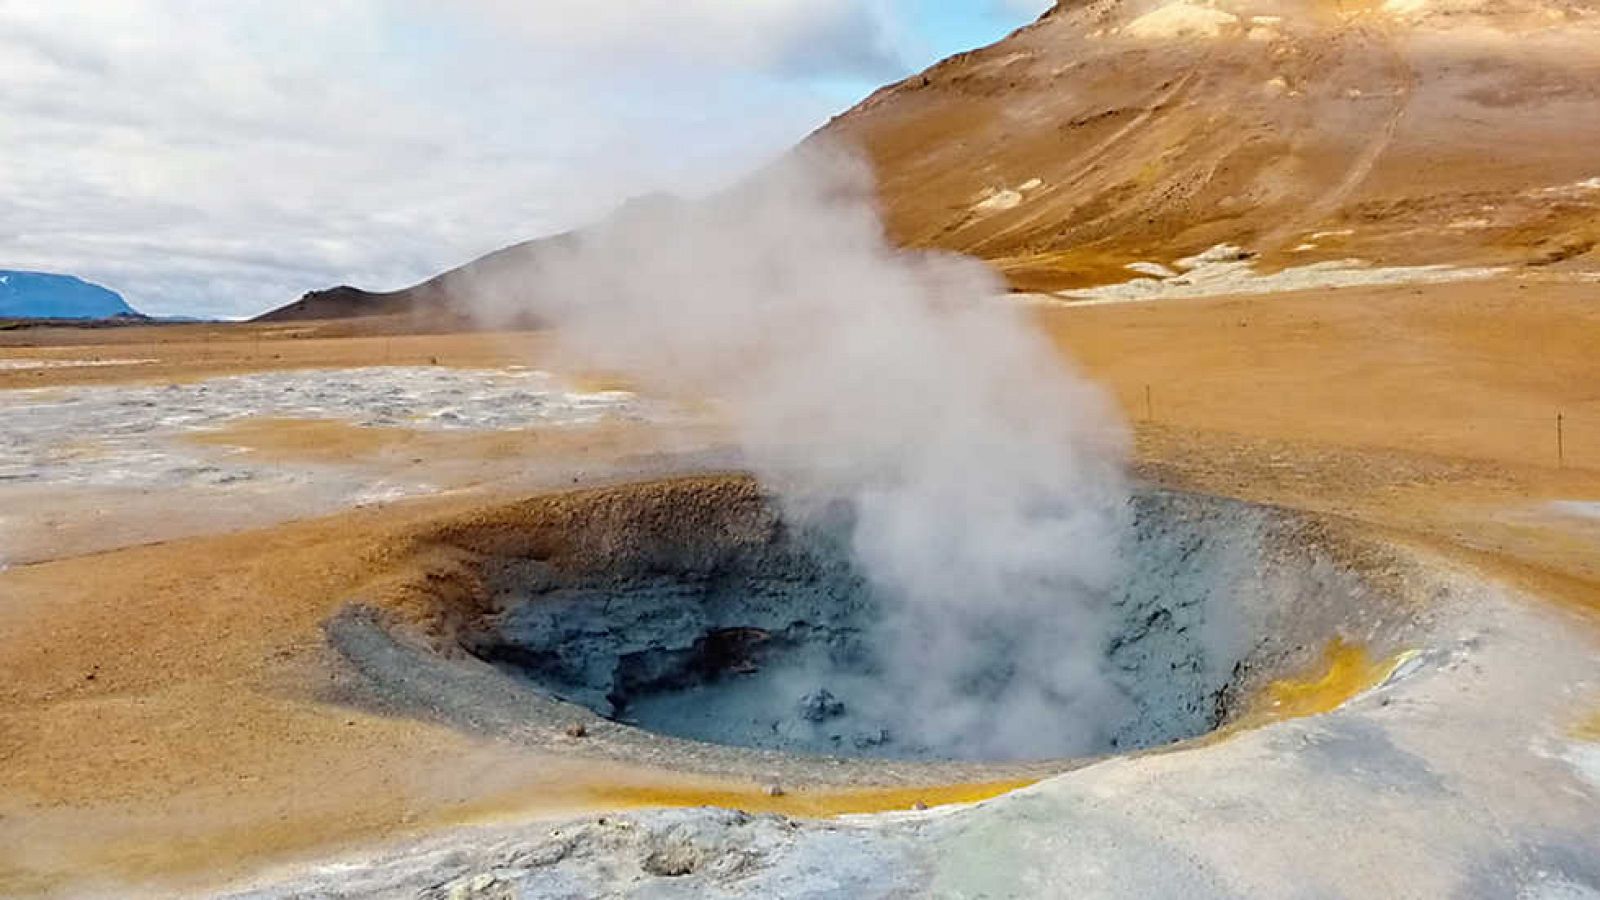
(220, 159)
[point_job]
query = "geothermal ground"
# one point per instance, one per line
(352, 601)
(265, 637)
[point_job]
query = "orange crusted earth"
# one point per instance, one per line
(163, 705)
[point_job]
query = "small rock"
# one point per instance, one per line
(775, 790)
(473, 888)
(671, 862)
(577, 730)
(820, 705)
(919, 806)
(868, 740)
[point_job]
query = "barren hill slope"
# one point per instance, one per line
(1111, 132)
(441, 300)
(1115, 131)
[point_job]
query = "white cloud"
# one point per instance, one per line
(223, 158)
(831, 35)
(1034, 8)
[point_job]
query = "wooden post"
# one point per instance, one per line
(1149, 411)
(1561, 444)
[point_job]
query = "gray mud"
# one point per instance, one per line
(686, 624)
(776, 646)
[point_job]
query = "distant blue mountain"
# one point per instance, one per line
(37, 295)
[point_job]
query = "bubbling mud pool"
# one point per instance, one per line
(776, 646)
(686, 622)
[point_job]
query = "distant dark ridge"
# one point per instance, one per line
(120, 320)
(463, 296)
(346, 302)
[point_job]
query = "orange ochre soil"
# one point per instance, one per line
(165, 711)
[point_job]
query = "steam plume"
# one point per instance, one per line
(985, 474)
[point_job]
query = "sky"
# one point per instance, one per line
(220, 159)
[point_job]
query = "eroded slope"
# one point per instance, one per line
(1116, 132)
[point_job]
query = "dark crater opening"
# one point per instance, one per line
(691, 609)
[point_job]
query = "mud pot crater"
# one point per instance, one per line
(685, 622)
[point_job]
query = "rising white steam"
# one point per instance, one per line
(985, 474)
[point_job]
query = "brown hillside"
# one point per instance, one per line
(1417, 131)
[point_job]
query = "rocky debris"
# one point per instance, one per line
(669, 853)
(699, 846)
(820, 705)
(869, 739)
